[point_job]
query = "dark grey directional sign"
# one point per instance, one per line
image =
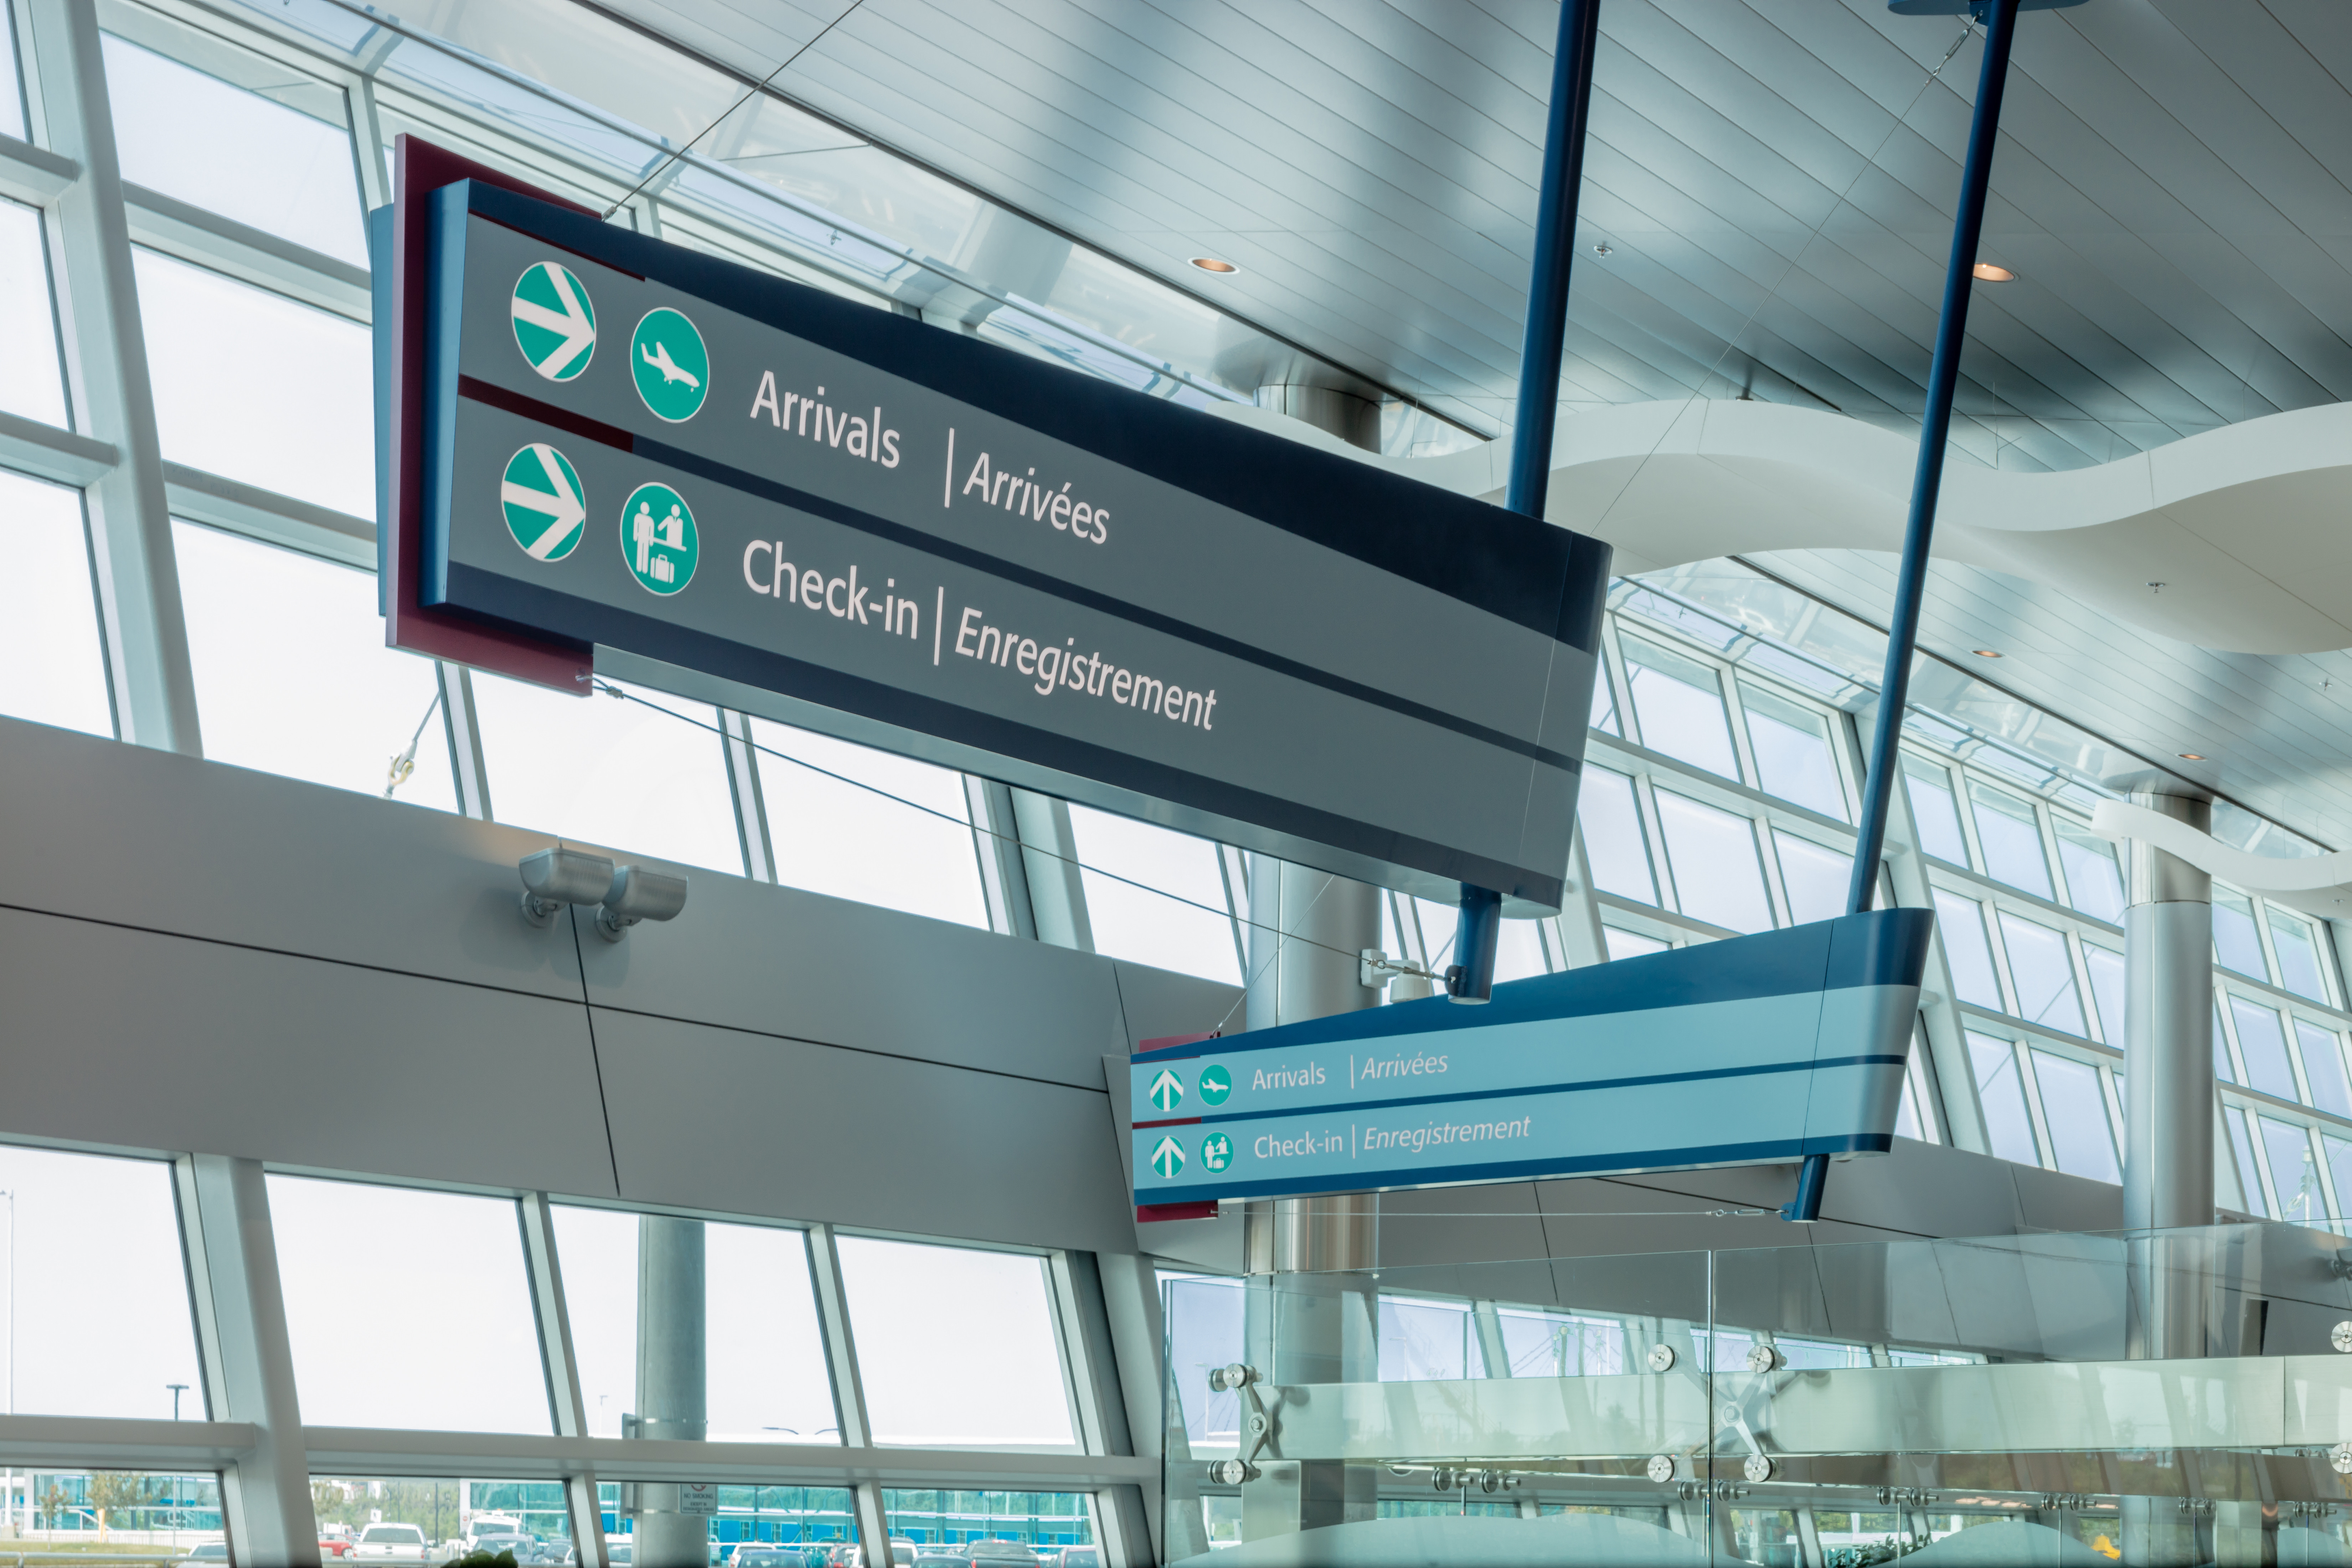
(638, 446)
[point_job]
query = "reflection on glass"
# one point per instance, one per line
(2042, 973)
(52, 664)
(30, 382)
(1614, 843)
(2242, 1144)
(2106, 969)
(2001, 1093)
(2293, 1172)
(2095, 883)
(621, 774)
(1679, 704)
(835, 838)
(2323, 1067)
(292, 676)
(1137, 923)
(1425, 1341)
(2237, 945)
(1204, 1329)
(253, 386)
(2011, 837)
(1929, 789)
(2075, 1112)
(100, 1294)
(259, 161)
(768, 1380)
(380, 1338)
(1816, 879)
(986, 1369)
(1631, 943)
(1061, 1523)
(1712, 855)
(1960, 922)
(1791, 747)
(1561, 1344)
(101, 1512)
(2298, 955)
(2262, 1046)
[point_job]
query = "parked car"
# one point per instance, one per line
(390, 1544)
(526, 1548)
(766, 1555)
(334, 1545)
(210, 1551)
(902, 1555)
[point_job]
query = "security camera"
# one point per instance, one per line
(637, 894)
(554, 877)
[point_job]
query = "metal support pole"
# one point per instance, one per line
(562, 1368)
(1471, 976)
(1926, 484)
(673, 1380)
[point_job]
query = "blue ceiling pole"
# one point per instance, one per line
(1471, 978)
(2000, 19)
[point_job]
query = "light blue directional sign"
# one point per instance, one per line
(1760, 1048)
(1167, 1091)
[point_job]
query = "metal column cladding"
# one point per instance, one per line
(632, 446)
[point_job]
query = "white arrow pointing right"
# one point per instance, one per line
(564, 506)
(578, 332)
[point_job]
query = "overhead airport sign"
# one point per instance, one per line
(1760, 1049)
(1292, 651)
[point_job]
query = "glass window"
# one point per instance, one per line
(1604, 702)
(2323, 1067)
(1044, 1521)
(2080, 1140)
(407, 1307)
(2095, 882)
(1907, 1116)
(96, 1511)
(2298, 954)
(1817, 879)
(1999, 1089)
(441, 1513)
(1554, 1344)
(1960, 922)
(257, 160)
(2293, 1172)
(2261, 1045)
(765, 1354)
(1519, 952)
(2042, 973)
(1614, 844)
(52, 662)
(292, 676)
(1425, 1342)
(2107, 968)
(2222, 1067)
(986, 1369)
(833, 837)
(2012, 838)
(100, 1293)
(1678, 702)
(31, 379)
(12, 92)
(253, 386)
(1631, 943)
(2236, 942)
(2249, 1176)
(1791, 747)
(2339, 1170)
(1712, 854)
(1137, 923)
(1929, 789)
(625, 775)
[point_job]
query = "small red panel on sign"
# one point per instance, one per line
(1165, 1041)
(1147, 1213)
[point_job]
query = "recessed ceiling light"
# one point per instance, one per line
(2190, 756)
(1211, 264)
(1984, 653)
(1604, 248)
(1991, 274)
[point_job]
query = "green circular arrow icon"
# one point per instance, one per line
(658, 539)
(1216, 1152)
(1167, 1091)
(545, 505)
(1216, 1083)
(671, 366)
(554, 324)
(1166, 1157)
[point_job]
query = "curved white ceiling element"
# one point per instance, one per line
(2246, 527)
(2318, 885)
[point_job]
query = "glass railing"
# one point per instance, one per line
(2152, 1397)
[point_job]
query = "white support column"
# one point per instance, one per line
(106, 372)
(461, 724)
(848, 1389)
(1049, 857)
(249, 1363)
(1101, 1401)
(1130, 1288)
(565, 1405)
(750, 804)
(996, 840)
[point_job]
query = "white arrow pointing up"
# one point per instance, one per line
(564, 507)
(1167, 1157)
(1167, 1090)
(578, 332)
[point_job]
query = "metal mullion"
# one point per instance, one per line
(2262, 1161)
(1965, 808)
(848, 1389)
(751, 805)
(1729, 795)
(2012, 1003)
(1232, 870)
(2328, 1194)
(2112, 1094)
(558, 1361)
(1621, 689)
(1776, 891)
(2046, 822)
(1734, 715)
(2230, 1032)
(2084, 998)
(1661, 868)
(2263, 939)
(461, 724)
(1983, 889)
(171, 226)
(1081, 1391)
(367, 141)
(2031, 1082)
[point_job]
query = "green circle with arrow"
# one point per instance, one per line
(1216, 1083)
(554, 322)
(1166, 1157)
(1216, 1152)
(658, 539)
(671, 366)
(545, 505)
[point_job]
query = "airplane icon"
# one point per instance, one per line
(658, 357)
